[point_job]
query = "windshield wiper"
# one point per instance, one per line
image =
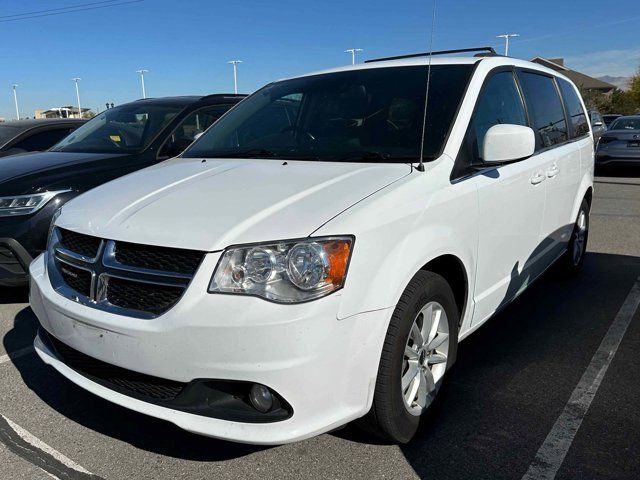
(368, 156)
(254, 152)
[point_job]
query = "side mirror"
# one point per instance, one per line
(597, 124)
(506, 143)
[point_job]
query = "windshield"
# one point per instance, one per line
(360, 115)
(125, 129)
(626, 124)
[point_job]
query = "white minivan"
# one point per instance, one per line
(316, 256)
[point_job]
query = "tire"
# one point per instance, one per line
(391, 417)
(573, 259)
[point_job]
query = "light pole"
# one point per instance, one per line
(235, 74)
(506, 37)
(142, 72)
(15, 99)
(77, 79)
(353, 52)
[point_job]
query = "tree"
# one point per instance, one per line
(634, 90)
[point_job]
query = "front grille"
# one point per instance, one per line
(117, 378)
(85, 245)
(158, 258)
(77, 279)
(142, 281)
(140, 296)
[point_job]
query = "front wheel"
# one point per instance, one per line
(420, 346)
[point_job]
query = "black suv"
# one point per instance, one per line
(116, 142)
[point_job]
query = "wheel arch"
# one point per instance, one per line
(452, 269)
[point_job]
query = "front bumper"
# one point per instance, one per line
(323, 367)
(617, 156)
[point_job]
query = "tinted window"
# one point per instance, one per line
(577, 116)
(193, 125)
(626, 124)
(125, 129)
(545, 109)
(499, 103)
(361, 115)
(7, 132)
(42, 140)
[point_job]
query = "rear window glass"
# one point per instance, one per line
(626, 124)
(577, 116)
(545, 109)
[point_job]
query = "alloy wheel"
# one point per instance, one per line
(580, 237)
(425, 358)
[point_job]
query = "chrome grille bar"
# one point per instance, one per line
(104, 267)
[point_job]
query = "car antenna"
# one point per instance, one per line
(420, 167)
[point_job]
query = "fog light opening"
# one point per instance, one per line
(261, 398)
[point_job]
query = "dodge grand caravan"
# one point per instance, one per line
(316, 256)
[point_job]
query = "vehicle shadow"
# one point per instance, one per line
(109, 419)
(490, 417)
(14, 295)
(515, 374)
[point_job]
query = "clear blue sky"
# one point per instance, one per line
(185, 44)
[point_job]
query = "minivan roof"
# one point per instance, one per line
(493, 61)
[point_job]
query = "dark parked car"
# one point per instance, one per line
(597, 125)
(116, 142)
(34, 135)
(620, 145)
(609, 118)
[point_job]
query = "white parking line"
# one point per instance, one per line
(40, 445)
(17, 354)
(555, 447)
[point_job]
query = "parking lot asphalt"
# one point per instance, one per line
(510, 386)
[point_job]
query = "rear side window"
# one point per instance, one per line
(545, 109)
(191, 127)
(579, 125)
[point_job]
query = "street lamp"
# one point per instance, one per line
(353, 52)
(15, 99)
(76, 80)
(235, 74)
(142, 72)
(506, 37)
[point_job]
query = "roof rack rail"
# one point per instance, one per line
(488, 50)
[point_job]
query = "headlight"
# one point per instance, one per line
(284, 272)
(25, 204)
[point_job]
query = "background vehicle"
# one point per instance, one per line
(34, 135)
(116, 142)
(598, 126)
(317, 254)
(609, 118)
(620, 145)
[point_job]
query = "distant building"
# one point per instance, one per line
(584, 82)
(61, 112)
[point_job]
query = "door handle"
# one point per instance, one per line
(537, 178)
(553, 171)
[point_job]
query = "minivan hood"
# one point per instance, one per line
(31, 172)
(211, 204)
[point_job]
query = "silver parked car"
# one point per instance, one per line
(620, 145)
